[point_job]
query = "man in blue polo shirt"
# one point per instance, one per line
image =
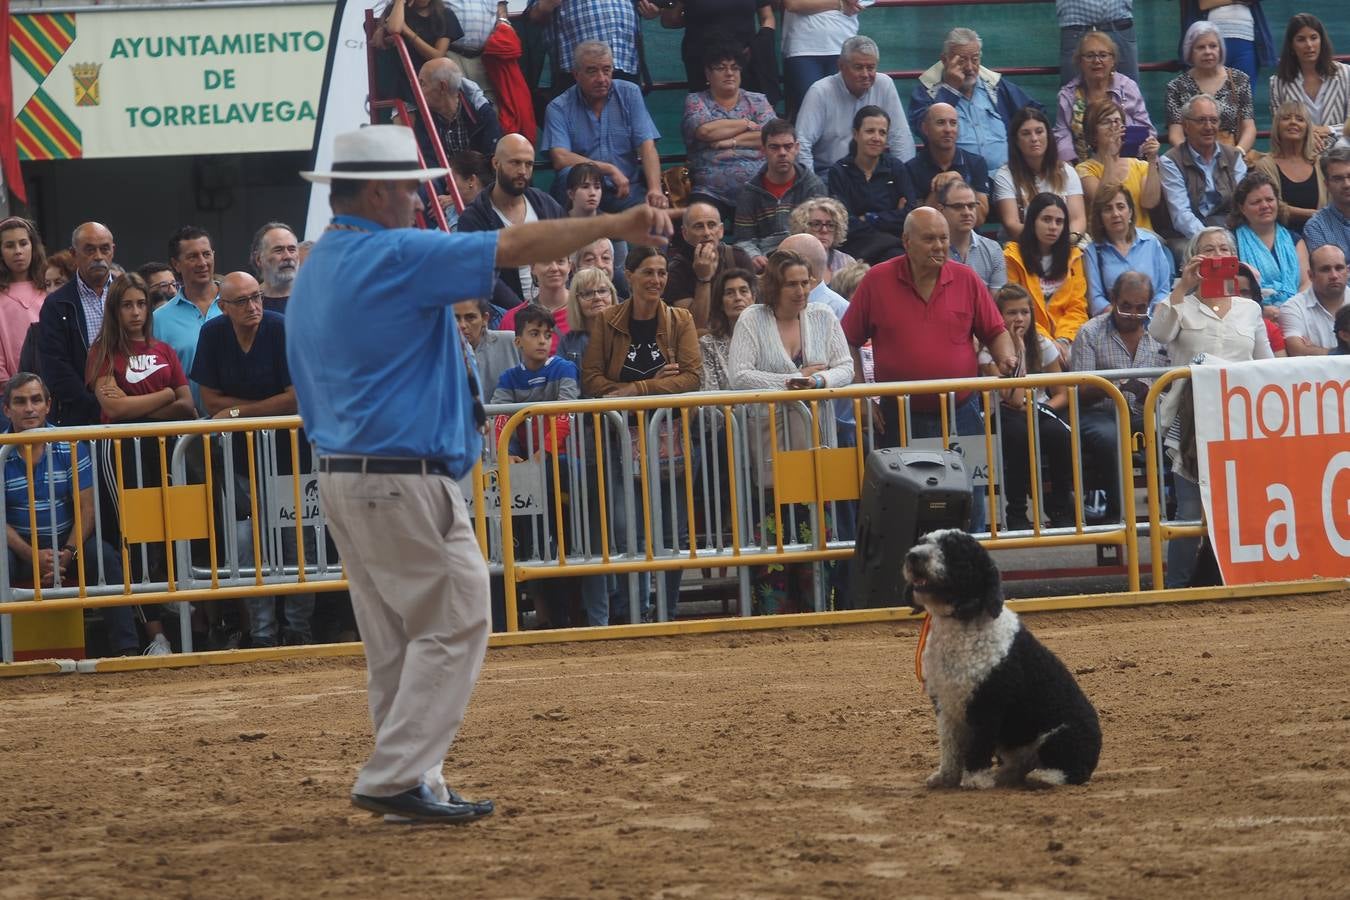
(604, 121)
(387, 393)
(179, 321)
(58, 542)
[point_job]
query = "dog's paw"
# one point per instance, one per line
(982, 780)
(941, 779)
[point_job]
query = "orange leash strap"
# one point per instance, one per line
(918, 651)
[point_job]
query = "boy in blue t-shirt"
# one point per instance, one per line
(540, 376)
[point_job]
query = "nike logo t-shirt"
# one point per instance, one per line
(151, 366)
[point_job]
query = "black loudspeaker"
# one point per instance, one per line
(905, 494)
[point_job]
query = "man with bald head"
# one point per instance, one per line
(510, 201)
(1308, 319)
(695, 262)
(920, 311)
(460, 112)
(70, 321)
(942, 161)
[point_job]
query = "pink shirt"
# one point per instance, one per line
(20, 304)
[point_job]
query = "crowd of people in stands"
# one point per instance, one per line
(843, 239)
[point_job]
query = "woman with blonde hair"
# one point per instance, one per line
(825, 219)
(589, 295)
(1291, 165)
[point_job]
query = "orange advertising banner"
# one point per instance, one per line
(1274, 460)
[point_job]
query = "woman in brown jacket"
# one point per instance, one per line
(640, 348)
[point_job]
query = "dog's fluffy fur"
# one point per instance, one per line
(1008, 711)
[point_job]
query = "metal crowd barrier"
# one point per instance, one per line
(643, 488)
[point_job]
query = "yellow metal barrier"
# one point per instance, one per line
(1159, 530)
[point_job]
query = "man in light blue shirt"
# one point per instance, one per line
(179, 321)
(604, 121)
(825, 121)
(386, 390)
(1200, 176)
(960, 206)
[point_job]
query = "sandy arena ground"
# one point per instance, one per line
(785, 763)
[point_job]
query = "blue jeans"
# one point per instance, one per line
(1181, 552)
(119, 621)
(969, 421)
(262, 611)
(800, 72)
(1241, 55)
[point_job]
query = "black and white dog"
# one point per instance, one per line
(999, 693)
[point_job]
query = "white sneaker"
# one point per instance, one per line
(159, 647)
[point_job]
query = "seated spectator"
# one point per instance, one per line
(721, 128)
(1342, 347)
(1050, 267)
(69, 322)
(814, 33)
(985, 101)
(550, 293)
(588, 296)
(1230, 89)
(1219, 241)
(464, 119)
(585, 187)
(697, 260)
(1036, 354)
(734, 292)
(427, 31)
(1200, 175)
(22, 288)
(1331, 223)
(1104, 128)
(710, 21)
(471, 172)
(1113, 18)
(510, 201)
(1309, 73)
(1308, 320)
(1243, 29)
(604, 121)
(1097, 80)
(961, 208)
(874, 187)
(846, 280)
(493, 351)
(242, 369)
(765, 203)
(1279, 258)
(825, 121)
(941, 160)
(1034, 168)
(1120, 245)
(161, 281)
(826, 220)
(60, 270)
(59, 540)
(1291, 165)
(1114, 339)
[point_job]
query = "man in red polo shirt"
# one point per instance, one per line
(921, 312)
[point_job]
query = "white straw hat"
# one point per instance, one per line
(376, 153)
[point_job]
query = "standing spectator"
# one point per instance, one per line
(942, 159)
(572, 23)
(874, 187)
(70, 320)
(1104, 128)
(1308, 320)
(477, 20)
(721, 129)
(766, 201)
(59, 539)
(961, 209)
(1331, 223)
(1279, 258)
(136, 379)
(985, 101)
(604, 121)
(426, 29)
(276, 259)
(588, 296)
(1292, 167)
(23, 287)
(826, 120)
(1230, 89)
(707, 22)
(1034, 168)
(1114, 339)
(697, 260)
(161, 280)
(733, 293)
(242, 369)
(1120, 245)
(550, 293)
(1200, 175)
(60, 270)
(1097, 79)
(1309, 73)
(1113, 18)
(825, 219)
(1241, 25)
(814, 32)
(511, 201)
(493, 351)
(180, 320)
(1045, 262)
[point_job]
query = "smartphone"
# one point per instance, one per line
(1135, 135)
(800, 382)
(1218, 276)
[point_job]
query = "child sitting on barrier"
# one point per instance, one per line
(1035, 354)
(540, 376)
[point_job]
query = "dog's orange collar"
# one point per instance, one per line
(918, 651)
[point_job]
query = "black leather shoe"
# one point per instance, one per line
(421, 805)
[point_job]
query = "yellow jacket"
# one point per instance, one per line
(1064, 313)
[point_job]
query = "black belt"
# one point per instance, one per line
(377, 465)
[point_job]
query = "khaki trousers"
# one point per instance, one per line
(419, 588)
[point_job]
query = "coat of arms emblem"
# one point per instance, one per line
(86, 83)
